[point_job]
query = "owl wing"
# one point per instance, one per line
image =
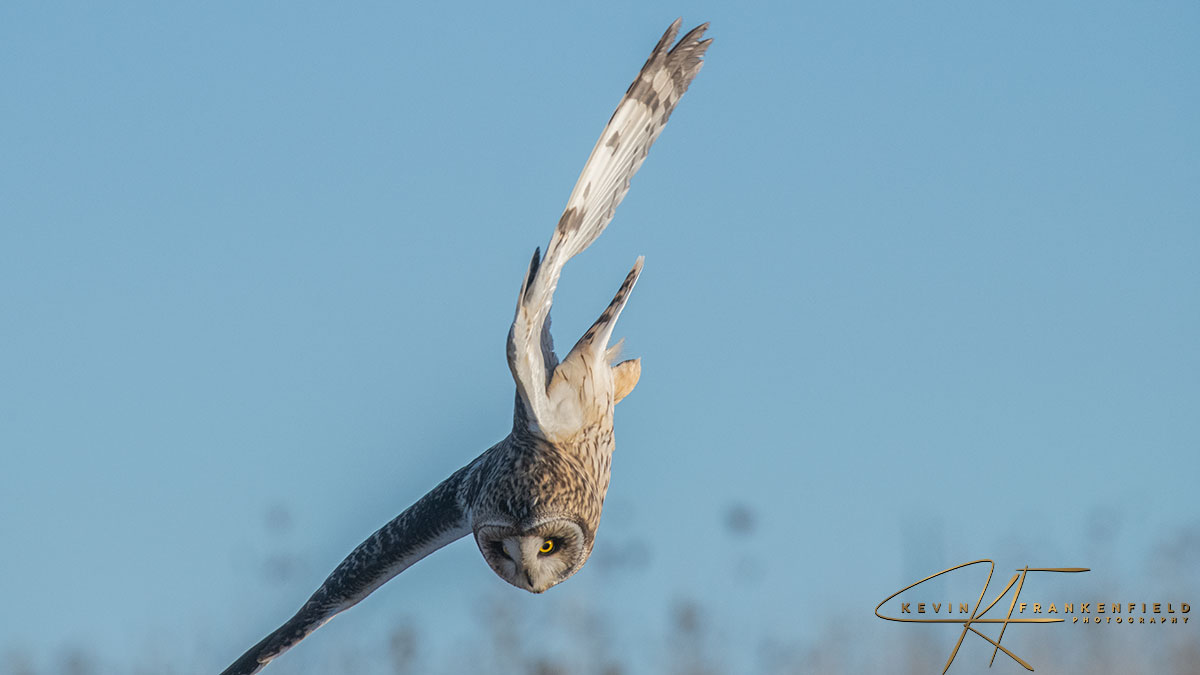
(435, 520)
(633, 127)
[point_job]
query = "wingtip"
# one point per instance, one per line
(692, 35)
(692, 39)
(668, 36)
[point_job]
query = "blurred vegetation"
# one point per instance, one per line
(694, 642)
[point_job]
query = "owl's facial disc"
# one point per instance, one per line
(534, 558)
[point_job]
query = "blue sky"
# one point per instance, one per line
(921, 287)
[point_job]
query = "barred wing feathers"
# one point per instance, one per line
(618, 154)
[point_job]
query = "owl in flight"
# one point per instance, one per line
(532, 501)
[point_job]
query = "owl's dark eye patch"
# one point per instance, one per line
(497, 547)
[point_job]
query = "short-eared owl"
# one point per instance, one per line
(533, 500)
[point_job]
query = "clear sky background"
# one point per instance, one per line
(922, 286)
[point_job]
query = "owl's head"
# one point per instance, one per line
(535, 556)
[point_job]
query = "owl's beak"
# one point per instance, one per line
(532, 588)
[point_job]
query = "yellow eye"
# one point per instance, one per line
(547, 547)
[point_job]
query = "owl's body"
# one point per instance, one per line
(532, 501)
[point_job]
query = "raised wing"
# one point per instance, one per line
(623, 145)
(435, 520)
